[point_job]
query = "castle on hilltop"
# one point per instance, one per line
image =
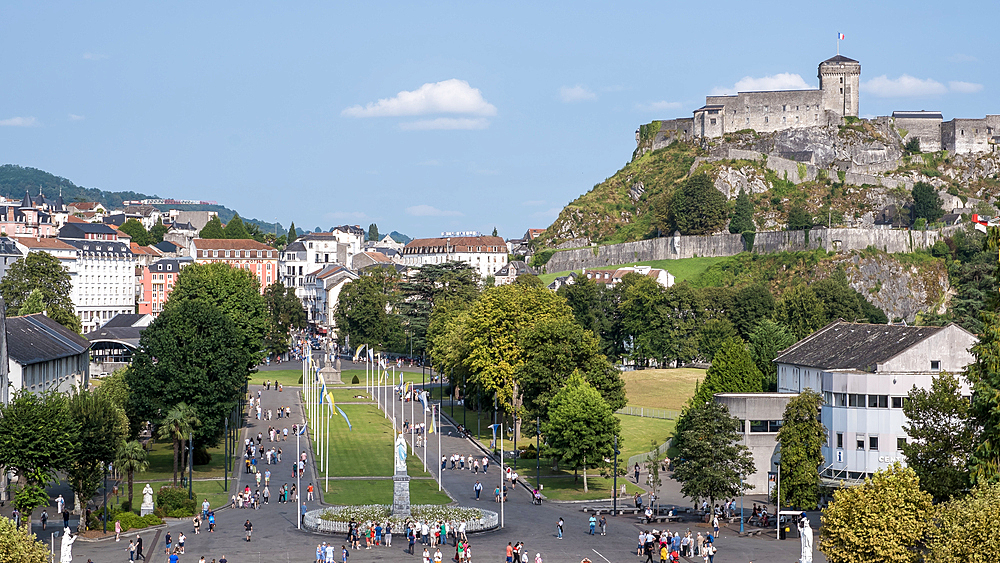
(836, 98)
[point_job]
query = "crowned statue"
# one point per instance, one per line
(400, 453)
(806, 538)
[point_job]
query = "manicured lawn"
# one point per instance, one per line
(661, 388)
(287, 377)
(683, 269)
(212, 490)
(379, 491)
(567, 488)
(161, 464)
(347, 376)
(367, 449)
(639, 433)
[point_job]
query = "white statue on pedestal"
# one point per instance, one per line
(400, 454)
(806, 538)
(66, 554)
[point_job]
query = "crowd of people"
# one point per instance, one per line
(664, 547)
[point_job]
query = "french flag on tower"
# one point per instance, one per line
(840, 36)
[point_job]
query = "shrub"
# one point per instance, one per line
(529, 452)
(748, 238)
(300, 380)
(127, 506)
(173, 499)
(201, 456)
(355, 380)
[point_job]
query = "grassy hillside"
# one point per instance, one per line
(616, 210)
(683, 269)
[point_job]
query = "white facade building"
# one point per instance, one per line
(486, 254)
(301, 260)
(864, 372)
(353, 236)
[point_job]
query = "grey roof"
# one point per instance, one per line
(167, 246)
(922, 114)
(170, 264)
(128, 335)
(518, 267)
(118, 219)
(854, 346)
(78, 230)
(99, 246)
(36, 338)
(295, 247)
(123, 320)
(8, 247)
(839, 59)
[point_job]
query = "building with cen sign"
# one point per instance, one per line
(248, 254)
(486, 254)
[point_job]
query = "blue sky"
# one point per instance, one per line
(425, 117)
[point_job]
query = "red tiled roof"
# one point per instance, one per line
(456, 244)
(378, 257)
(229, 244)
(74, 219)
(49, 243)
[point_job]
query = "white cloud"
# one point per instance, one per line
(19, 122)
(75, 117)
(658, 106)
(430, 211)
(576, 93)
(903, 87)
(782, 81)
(446, 123)
(964, 87)
(94, 56)
(447, 96)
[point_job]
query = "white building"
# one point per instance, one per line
(309, 254)
(44, 355)
(486, 254)
(328, 283)
(614, 276)
(353, 236)
(864, 372)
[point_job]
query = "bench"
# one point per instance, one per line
(660, 519)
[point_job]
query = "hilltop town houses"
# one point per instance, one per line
(156, 281)
(248, 254)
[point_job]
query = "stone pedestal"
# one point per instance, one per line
(401, 494)
(145, 509)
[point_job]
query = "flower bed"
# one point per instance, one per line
(334, 520)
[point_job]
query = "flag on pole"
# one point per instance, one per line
(322, 393)
(302, 429)
(371, 355)
(431, 431)
(423, 399)
(344, 414)
(840, 36)
(357, 354)
(494, 427)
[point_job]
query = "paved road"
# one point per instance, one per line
(276, 538)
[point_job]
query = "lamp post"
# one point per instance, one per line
(190, 465)
(225, 459)
(614, 491)
(538, 455)
(105, 498)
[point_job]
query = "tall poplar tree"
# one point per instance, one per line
(801, 437)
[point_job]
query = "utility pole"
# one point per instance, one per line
(190, 465)
(614, 491)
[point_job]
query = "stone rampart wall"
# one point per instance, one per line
(675, 247)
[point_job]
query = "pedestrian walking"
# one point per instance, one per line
(593, 524)
(478, 488)
(604, 525)
(559, 528)
(45, 518)
(637, 473)
(249, 529)
(131, 550)
(138, 547)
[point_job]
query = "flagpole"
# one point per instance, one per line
(329, 416)
(440, 474)
(393, 398)
(424, 433)
(501, 474)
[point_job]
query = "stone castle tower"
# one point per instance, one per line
(839, 78)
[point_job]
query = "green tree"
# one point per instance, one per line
(192, 353)
(965, 528)
(751, 304)
(19, 545)
(286, 312)
(430, 285)
(555, 348)
(732, 371)
(36, 439)
(44, 272)
(942, 436)
(581, 427)
(801, 311)
(926, 202)
(801, 436)
(712, 335)
(137, 231)
(841, 301)
(530, 280)
(799, 219)
(235, 229)
(35, 303)
(584, 299)
(646, 318)
(213, 229)
(157, 232)
(485, 340)
(697, 208)
(365, 311)
(293, 233)
(131, 459)
(236, 292)
(766, 341)
(494, 231)
(742, 220)
(176, 426)
(711, 460)
(984, 376)
(883, 521)
(373, 233)
(99, 432)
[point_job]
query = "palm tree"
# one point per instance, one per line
(131, 459)
(178, 423)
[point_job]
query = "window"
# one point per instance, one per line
(840, 439)
(935, 365)
(841, 90)
(873, 443)
(897, 402)
(861, 444)
(840, 399)
(748, 121)
(784, 107)
(758, 426)
(855, 400)
(765, 119)
(774, 425)
(878, 401)
(712, 121)
(900, 443)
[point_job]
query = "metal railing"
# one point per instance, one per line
(642, 458)
(649, 413)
